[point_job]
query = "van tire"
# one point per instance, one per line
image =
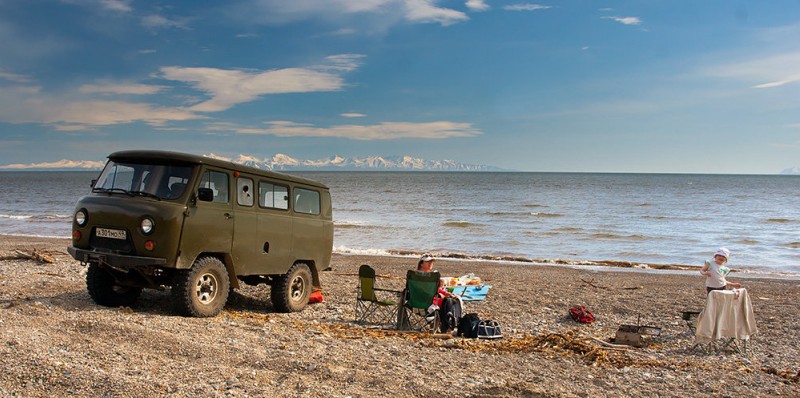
(290, 291)
(105, 291)
(202, 290)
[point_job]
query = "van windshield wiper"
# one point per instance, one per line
(110, 190)
(143, 193)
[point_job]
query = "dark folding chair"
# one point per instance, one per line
(421, 288)
(373, 305)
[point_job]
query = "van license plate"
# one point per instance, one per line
(110, 233)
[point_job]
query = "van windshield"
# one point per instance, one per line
(159, 181)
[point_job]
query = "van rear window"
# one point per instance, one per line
(306, 201)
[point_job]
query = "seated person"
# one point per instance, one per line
(448, 303)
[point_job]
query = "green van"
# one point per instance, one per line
(201, 226)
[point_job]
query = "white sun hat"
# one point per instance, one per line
(723, 252)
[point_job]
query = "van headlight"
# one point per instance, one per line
(147, 225)
(80, 217)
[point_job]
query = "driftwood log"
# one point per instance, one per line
(34, 255)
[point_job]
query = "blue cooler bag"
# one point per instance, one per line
(489, 329)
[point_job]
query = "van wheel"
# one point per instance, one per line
(104, 290)
(290, 291)
(202, 290)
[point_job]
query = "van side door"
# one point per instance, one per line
(246, 249)
(275, 226)
(208, 225)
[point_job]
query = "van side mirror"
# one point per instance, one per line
(205, 194)
(94, 182)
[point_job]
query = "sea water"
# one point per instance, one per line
(643, 218)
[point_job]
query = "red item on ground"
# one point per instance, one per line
(581, 314)
(316, 297)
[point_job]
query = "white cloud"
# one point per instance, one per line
(763, 71)
(230, 87)
(525, 7)
(626, 20)
(425, 11)
(147, 51)
(16, 78)
(111, 88)
(111, 5)
(283, 11)
(477, 5)
(61, 164)
(161, 22)
(117, 5)
(352, 114)
(382, 131)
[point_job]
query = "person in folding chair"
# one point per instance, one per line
(448, 304)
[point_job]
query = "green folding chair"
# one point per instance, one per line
(373, 305)
(421, 288)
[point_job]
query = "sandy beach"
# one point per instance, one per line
(56, 342)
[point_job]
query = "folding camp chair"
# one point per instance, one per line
(421, 288)
(369, 307)
(690, 318)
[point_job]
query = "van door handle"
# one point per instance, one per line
(228, 216)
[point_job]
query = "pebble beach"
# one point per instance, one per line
(54, 341)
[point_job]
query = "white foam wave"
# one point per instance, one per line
(15, 217)
(35, 217)
(364, 252)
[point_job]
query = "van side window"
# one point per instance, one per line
(244, 187)
(217, 182)
(306, 201)
(273, 196)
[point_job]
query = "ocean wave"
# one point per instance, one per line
(461, 224)
(644, 204)
(615, 236)
(621, 265)
(656, 217)
(533, 205)
(781, 220)
(43, 217)
(348, 224)
(363, 252)
(793, 245)
(536, 214)
(748, 241)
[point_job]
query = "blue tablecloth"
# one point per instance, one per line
(470, 293)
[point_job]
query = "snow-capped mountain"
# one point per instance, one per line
(793, 170)
(281, 162)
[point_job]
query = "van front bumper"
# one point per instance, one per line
(116, 261)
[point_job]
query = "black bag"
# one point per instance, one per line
(468, 326)
(488, 329)
(449, 314)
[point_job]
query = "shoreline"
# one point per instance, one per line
(610, 265)
(58, 342)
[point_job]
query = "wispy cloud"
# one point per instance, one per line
(477, 5)
(382, 131)
(112, 88)
(762, 71)
(230, 87)
(156, 21)
(416, 11)
(147, 51)
(110, 5)
(61, 164)
(14, 77)
(525, 7)
(352, 115)
(626, 20)
(426, 11)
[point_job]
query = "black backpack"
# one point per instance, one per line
(449, 314)
(468, 326)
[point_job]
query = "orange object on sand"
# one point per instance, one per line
(316, 297)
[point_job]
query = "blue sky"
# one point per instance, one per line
(595, 86)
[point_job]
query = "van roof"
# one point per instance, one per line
(143, 154)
